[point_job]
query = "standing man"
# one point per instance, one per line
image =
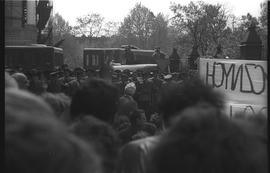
(174, 61)
(54, 85)
(159, 58)
(129, 56)
(157, 54)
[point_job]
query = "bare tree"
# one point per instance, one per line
(110, 29)
(60, 28)
(89, 25)
(263, 14)
(204, 23)
(138, 26)
(159, 36)
(263, 32)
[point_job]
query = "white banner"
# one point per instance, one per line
(243, 82)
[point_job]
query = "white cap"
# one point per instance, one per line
(169, 76)
(130, 88)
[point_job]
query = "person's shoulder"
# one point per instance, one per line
(143, 142)
(150, 80)
(125, 132)
(73, 82)
(151, 125)
(38, 82)
(61, 78)
(125, 97)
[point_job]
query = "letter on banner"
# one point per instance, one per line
(243, 82)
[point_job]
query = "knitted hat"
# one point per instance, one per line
(130, 88)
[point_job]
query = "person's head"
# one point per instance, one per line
(22, 80)
(102, 137)
(10, 82)
(130, 89)
(168, 78)
(21, 102)
(124, 77)
(127, 72)
(67, 72)
(121, 122)
(96, 97)
(178, 97)
(10, 71)
(127, 48)
(126, 105)
(117, 71)
(35, 74)
(64, 66)
(137, 118)
(139, 73)
(156, 119)
(54, 75)
(79, 71)
(203, 140)
(35, 143)
(90, 73)
(59, 102)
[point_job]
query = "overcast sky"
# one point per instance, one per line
(117, 10)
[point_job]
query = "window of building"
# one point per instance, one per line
(95, 60)
(24, 12)
(87, 60)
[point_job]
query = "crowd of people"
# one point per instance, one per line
(139, 122)
(143, 85)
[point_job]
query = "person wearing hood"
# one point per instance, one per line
(22, 80)
(130, 89)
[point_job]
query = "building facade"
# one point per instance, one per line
(21, 22)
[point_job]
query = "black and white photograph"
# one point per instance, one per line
(135, 86)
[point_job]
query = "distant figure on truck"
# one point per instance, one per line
(157, 54)
(161, 60)
(129, 56)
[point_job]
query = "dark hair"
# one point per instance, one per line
(156, 119)
(177, 97)
(96, 97)
(206, 141)
(59, 102)
(126, 105)
(22, 102)
(103, 138)
(35, 143)
(135, 115)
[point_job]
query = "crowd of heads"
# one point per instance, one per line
(74, 121)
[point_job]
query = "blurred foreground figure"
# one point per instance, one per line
(59, 102)
(102, 137)
(139, 127)
(202, 140)
(21, 102)
(10, 82)
(36, 142)
(22, 80)
(96, 97)
(38, 84)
